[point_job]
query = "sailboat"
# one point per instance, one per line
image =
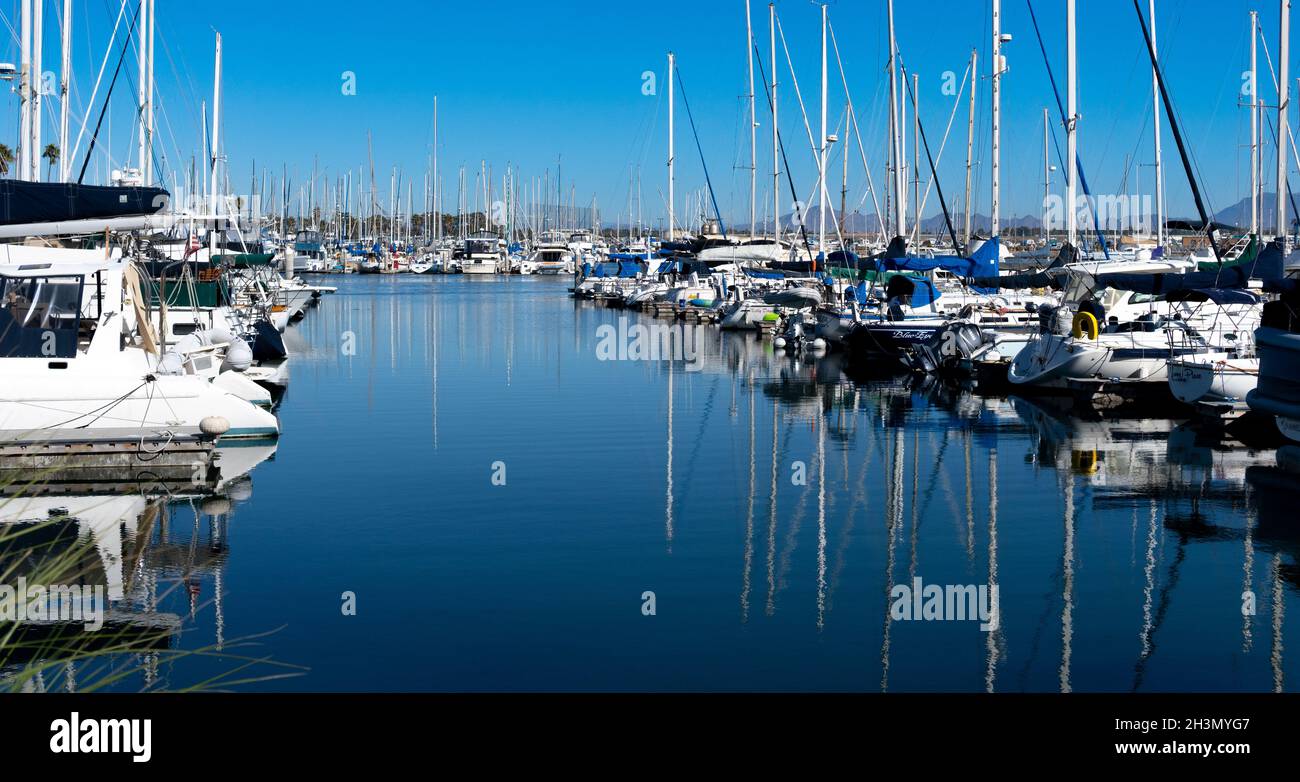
(83, 364)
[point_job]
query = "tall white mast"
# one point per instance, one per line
(1071, 123)
(776, 136)
(1283, 90)
(1047, 179)
(142, 87)
(148, 118)
(38, 35)
(436, 180)
(997, 116)
(25, 93)
(213, 207)
(65, 154)
(916, 154)
(894, 129)
(672, 68)
(1155, 106)
(1254, 124)
(753, 122)
(970, 140)
(821, 159)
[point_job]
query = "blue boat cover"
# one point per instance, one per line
(983, 263)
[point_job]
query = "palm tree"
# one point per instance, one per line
(6, 157)
(51, 155)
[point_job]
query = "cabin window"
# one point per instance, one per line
(39, 316)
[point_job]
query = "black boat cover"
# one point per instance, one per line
(49, 202)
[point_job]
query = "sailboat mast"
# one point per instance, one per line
(1155, 108)
(1254, 124)
(38, 70)
(894, 132)
(1283, 99)
(65, 155)
(995, 157)
(672, 68)
(437, 181)
(821, 189)
(216, 155)
(753, 121)
(776, 138)
(1047, 179)
(916, 155)
(149, 93)
(142, 86)
(25, 93)
(1071, 123)
(970, 142)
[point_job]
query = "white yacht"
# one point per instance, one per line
(82, 363)
(552, 255)
(482, 255)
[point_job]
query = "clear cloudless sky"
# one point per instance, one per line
(535, 84)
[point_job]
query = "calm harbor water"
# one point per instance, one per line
(499, 499)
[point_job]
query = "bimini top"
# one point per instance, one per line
(1216, 295)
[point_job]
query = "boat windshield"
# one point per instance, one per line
(39, 316)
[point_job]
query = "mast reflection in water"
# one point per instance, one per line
(771, 503)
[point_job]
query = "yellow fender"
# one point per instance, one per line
(1085, 323)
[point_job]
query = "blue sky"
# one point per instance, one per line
(530, 83)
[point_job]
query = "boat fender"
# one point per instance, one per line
(171, 363)
(239, 356)
(214, 426)
(1085, 323)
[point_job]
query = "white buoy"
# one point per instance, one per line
(779, 342)
(214, 426)
(819, 344)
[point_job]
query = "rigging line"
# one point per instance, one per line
(104, 110)
(104, 407)
(1178, 135)
(785, 161)
(853, 117)
(1065, 121)
(1269, 118)
(1272, 129)
(934, 173)
(920, 210)
(99, 78)
(812, 144)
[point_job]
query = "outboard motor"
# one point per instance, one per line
(949, 348)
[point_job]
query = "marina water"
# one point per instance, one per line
(468, 495)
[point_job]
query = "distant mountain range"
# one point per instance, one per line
(1237, 215)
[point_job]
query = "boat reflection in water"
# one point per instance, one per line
(1129, 554)
(146, 547)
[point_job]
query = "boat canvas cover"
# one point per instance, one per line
(49, 202)
(1229, 277)
(614, 269)
(982, 264)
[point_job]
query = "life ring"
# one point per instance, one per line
(1085, 323)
